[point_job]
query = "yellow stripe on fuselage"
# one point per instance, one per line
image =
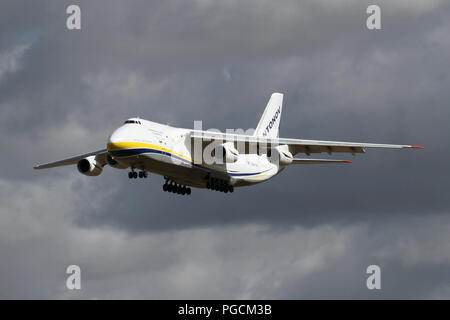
(132, 145)
(259, 176)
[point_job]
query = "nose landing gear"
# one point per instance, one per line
(142, 174)
(133, 174)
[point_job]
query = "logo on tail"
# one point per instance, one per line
(270, 120)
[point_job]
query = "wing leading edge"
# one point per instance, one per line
(101, 157)
(318, 161)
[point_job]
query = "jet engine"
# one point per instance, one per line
(225, 153)
(113, 163)
(280, 155)
(89, 166)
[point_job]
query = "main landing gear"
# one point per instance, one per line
(133, 174)
(171, 186)
(219, 185)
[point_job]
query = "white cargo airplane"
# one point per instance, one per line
(178, 154)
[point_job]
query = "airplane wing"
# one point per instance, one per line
(295, 145)
(318, 161)
(101, 157)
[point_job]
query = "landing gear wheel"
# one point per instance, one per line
(141, 174)
(173, 187)
(135, 175)
(130, 175)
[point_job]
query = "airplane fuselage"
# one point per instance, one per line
(168, 151)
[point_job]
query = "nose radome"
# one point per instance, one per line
(116, 138)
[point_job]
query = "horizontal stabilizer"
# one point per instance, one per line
(318, 161)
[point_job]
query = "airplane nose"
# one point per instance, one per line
(115, 139)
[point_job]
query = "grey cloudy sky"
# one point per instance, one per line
(310, 232)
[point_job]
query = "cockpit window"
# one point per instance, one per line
(133, 121)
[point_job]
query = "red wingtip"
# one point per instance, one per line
(347, 161)
(417, 147)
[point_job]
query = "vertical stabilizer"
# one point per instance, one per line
(270, 121)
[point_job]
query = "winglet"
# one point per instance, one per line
(347, 161)
(417, 147)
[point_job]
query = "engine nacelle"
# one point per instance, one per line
(114, 163)
(280, 155)
(225, 153)
(89, 166)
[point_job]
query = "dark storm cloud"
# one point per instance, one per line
(62, 92)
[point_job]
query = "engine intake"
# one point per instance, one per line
(280, 155)
(89, 166)
(225, 153)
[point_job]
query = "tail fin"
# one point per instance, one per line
(270, 121)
